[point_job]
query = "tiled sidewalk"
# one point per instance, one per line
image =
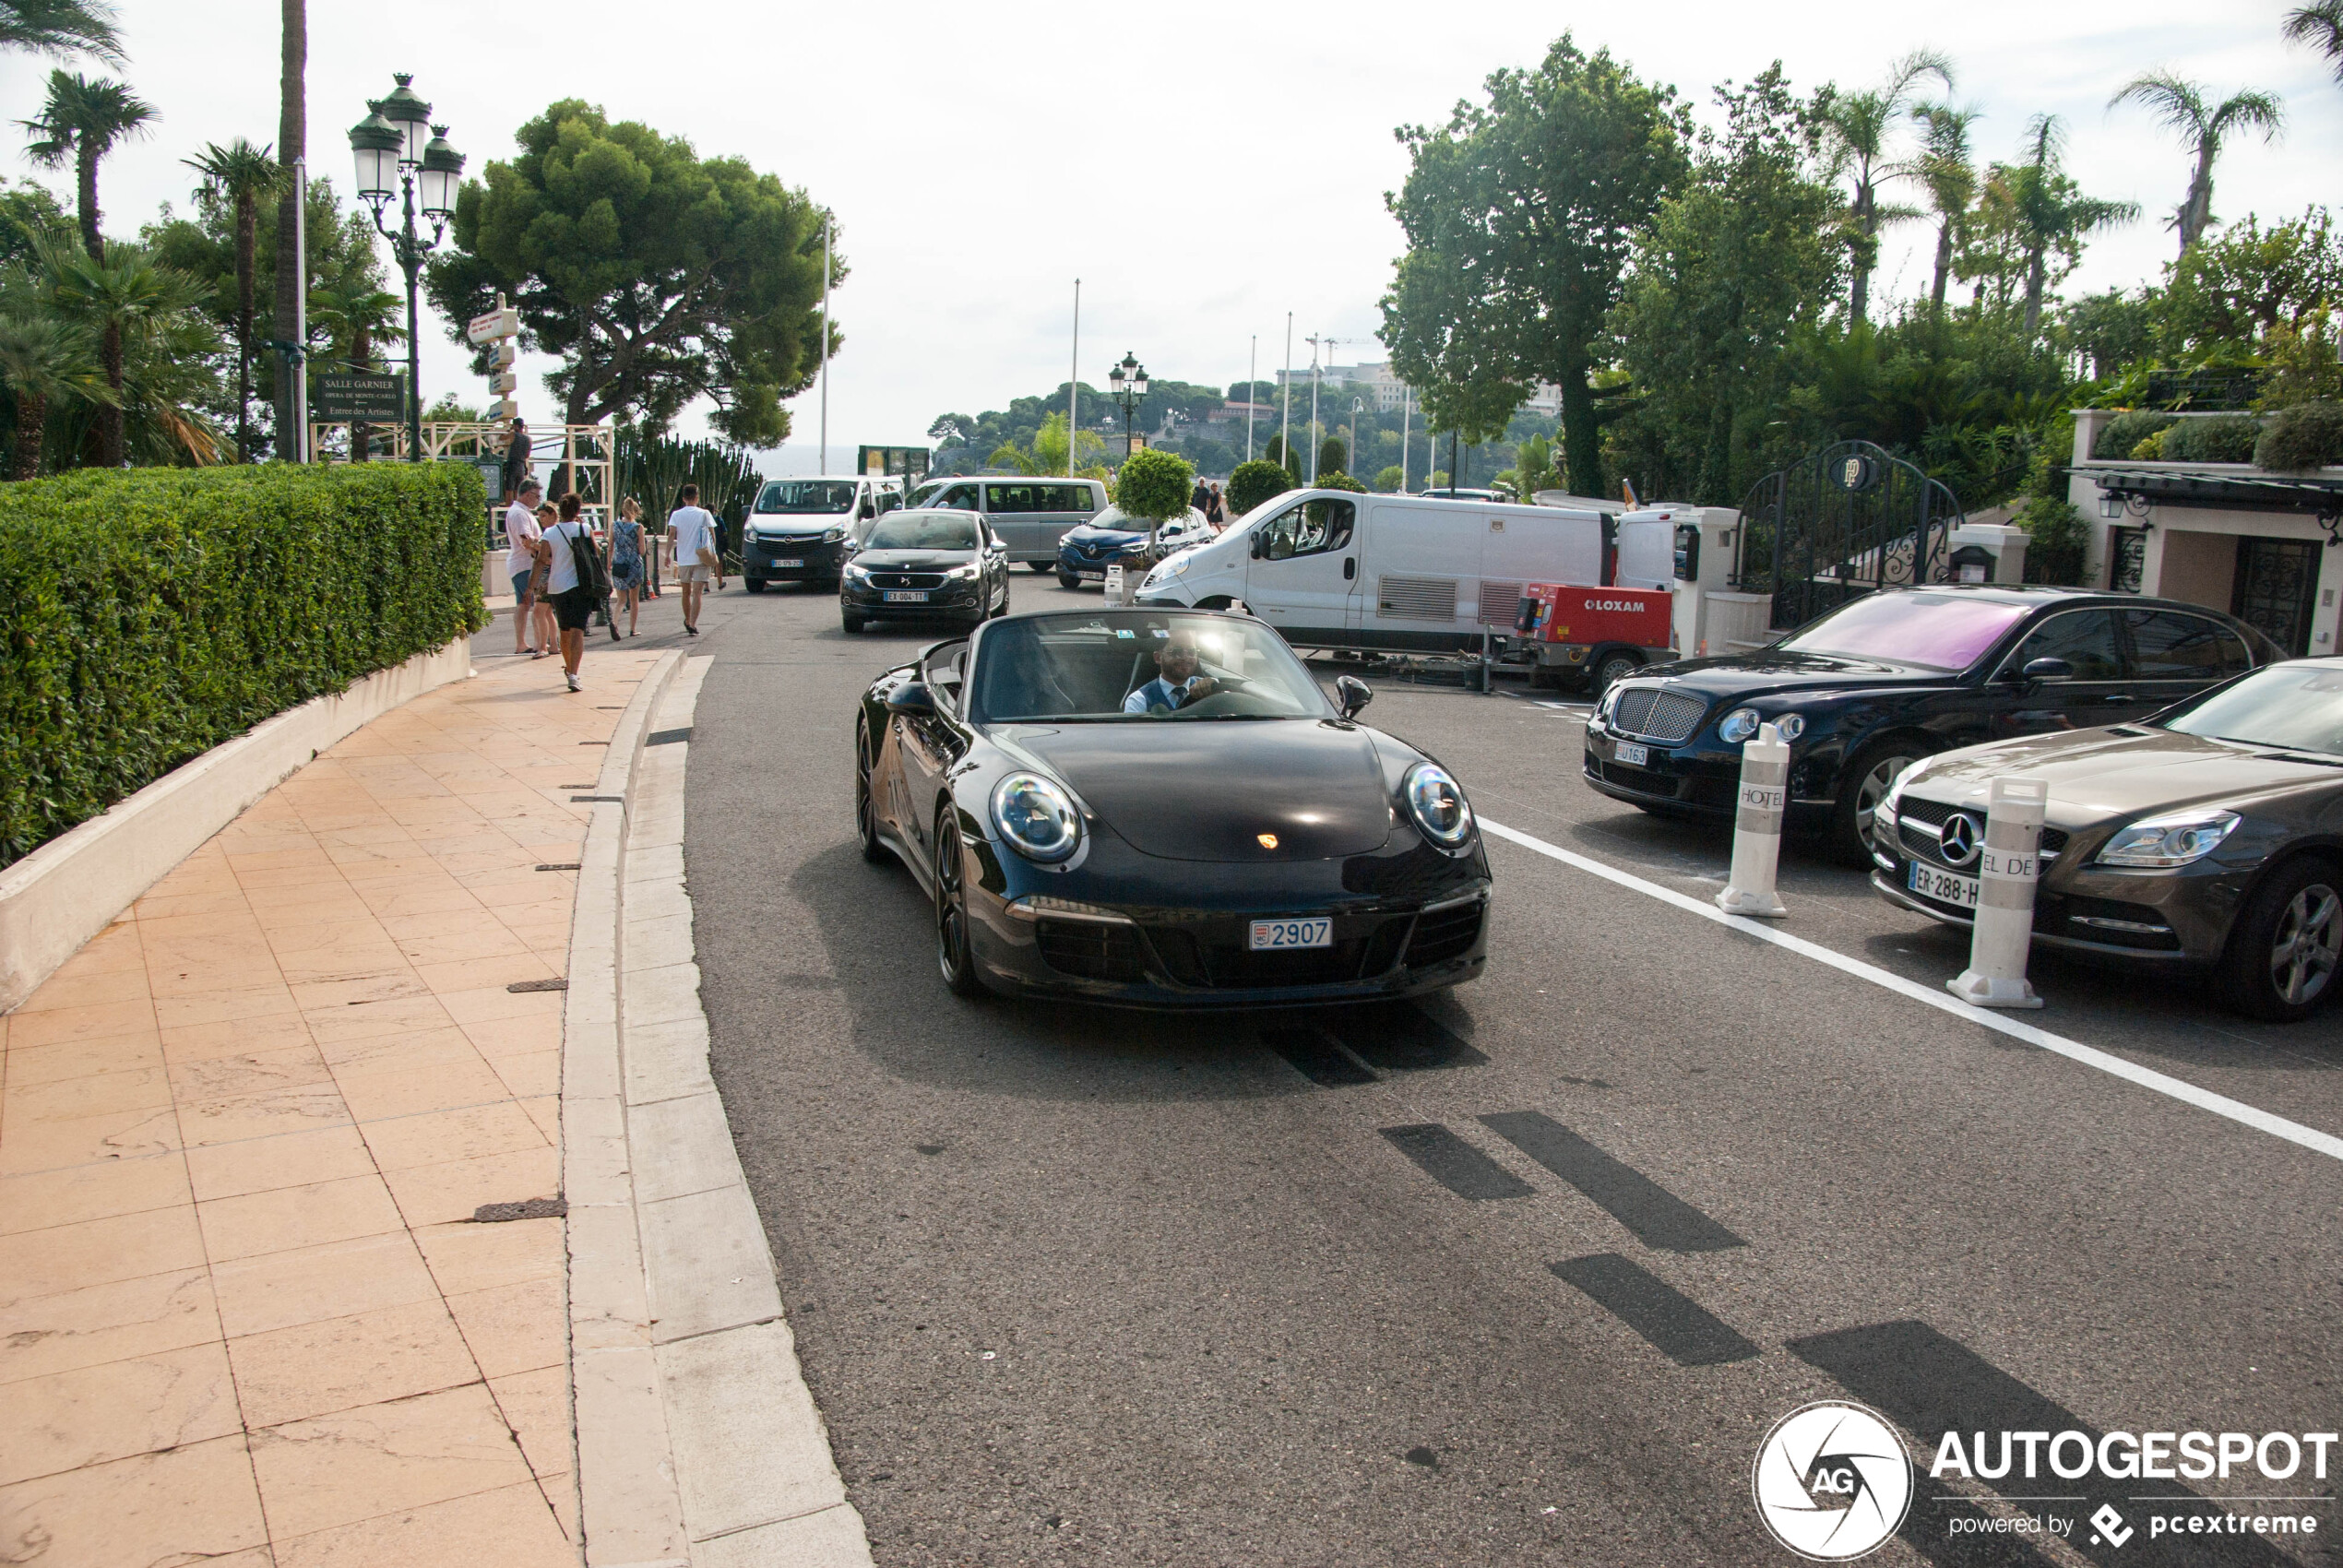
(245, 1314)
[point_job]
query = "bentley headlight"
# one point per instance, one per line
(1791, 725)
(1036, 818)
(1738, 725)
(1438, 805)
(2173, 840)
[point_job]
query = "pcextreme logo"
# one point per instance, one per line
(1832, 1481)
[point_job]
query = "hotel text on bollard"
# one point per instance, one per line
(1764, 796)
(2007, 867)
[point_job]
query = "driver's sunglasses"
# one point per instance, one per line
(1179, 650)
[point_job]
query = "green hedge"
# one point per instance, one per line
(149, 614)
(2127, 430)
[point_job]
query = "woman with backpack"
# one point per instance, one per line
(577, 582)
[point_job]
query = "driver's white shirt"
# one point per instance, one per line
(1158, 692)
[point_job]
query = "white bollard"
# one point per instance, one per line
(2008, 865)
(1764, 796)
(1115, 584)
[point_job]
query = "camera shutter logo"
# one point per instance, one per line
(1832, 1481)
(1959, 838)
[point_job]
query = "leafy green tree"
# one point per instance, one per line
(242, 175)
(2112, 329)
(1732, 269)
(1284, 457)
(28, 215)
(1337, 480)
(657, 275)
(1388, 480)
(1520, 214)
(2183, 107)
(61, 28)
(1945, 168)
(44, 361)
(2235, 287)
(358, 318)
(1255, 482)
(1332, 458)
(1856, 127)
(2050, 215)
(81, 122)
(2320, 24)
(1154, 484)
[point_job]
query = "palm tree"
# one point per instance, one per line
(1945, 168)
(80, 125)
(124, 294)
(2320, 24)
(241, 173)
(292, 144)
(61, 28)
(355, 316)
(1856, 126)
(2051, 214)
(43, 360)
(2181, 105)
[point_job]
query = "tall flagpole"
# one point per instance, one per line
(1285, 424)
(826, 345)
(1073, 378)
(1251, 369)
(1406, 407)
(1314, 406)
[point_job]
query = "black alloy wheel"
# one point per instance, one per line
(2285, 948)
(865, 803)
(952, 954)
(1860, 789)
(1069, 580)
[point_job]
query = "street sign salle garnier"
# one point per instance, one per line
(342, 397)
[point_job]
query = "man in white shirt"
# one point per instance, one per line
(1177, 683)
(521, 533)
(694, 529)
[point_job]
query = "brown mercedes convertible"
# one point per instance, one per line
(2209, 838)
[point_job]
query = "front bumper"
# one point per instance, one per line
(960, 598)
(1429, 931)
(791, 559)
(1075, 563)
(1698, 781)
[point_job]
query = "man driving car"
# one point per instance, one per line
(1176, 683)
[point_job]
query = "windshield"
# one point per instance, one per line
(1934, 631)
(1115, 519)
(807, 496)
(1138, 668)
(923, 530)
(925, 493)
(2299, 706)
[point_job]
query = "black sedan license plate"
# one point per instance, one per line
(907, 596)
(1272, 935)
(1944, 886)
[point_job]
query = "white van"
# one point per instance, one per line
(1329, 568)
(801, 531)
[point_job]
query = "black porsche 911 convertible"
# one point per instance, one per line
(1161, 809)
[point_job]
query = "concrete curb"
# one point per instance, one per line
(698, 1441)
(69, 889)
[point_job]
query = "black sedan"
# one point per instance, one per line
(924, 564)
(1879, 682)
(2209, 839)
(1161, 809)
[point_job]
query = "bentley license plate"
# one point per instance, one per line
(1633, 755)
(1944, 886)
(797, 560)
(1271, 934)
(907, 596)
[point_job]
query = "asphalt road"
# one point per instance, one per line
(1522, 1275)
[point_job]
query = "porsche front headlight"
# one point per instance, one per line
(1036, 818)
(2173, 840)
(1437, 804)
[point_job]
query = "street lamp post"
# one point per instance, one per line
(1129, 383)
(1356, 404)
(394, 154)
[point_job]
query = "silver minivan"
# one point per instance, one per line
(1028, 514)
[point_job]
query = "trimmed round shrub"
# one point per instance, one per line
(2225, 438)
(2127, 430)
(1255, 482)
(2308, 435)
(1154, 484)
(1333, 458)
(1340, 480)
(1390, 477)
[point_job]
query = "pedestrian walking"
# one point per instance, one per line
(693, 531)
(520, 558)
(1201, 496)
(1216, 511)
(517, 458)
(627, 564)
(577, 581)
(548, 632)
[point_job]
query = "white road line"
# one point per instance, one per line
(1944, 1002)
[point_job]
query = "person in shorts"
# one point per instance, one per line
(574, 602)
(520, 556)
(694, 529)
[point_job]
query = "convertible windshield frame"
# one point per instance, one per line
(798, 498)
(1922, 630)
(2274, 693)
(1040, 669)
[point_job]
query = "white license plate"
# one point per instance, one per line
(1944, 886)
(1271, 934)
(907, 596)
(1631, 754)
(797, 560)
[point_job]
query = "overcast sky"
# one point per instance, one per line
(1203, 169)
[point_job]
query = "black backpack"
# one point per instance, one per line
(592, 576)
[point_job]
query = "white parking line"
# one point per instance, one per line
(1944, 1002)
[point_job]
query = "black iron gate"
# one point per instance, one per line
(1850, 519)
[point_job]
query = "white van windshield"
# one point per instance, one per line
(807, 496)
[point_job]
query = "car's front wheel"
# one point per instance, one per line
(2284, 950)
(865, 801)
(1069, 580)
(849, 621)
(754, 585)
(1039, 568)
(1860, 789)
(953, 955)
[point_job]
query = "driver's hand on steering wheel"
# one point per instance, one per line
(1205, 686)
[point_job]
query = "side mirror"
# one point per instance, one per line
(1353, 695)
(2048, 669)
(1256, 547)
(910, 698)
